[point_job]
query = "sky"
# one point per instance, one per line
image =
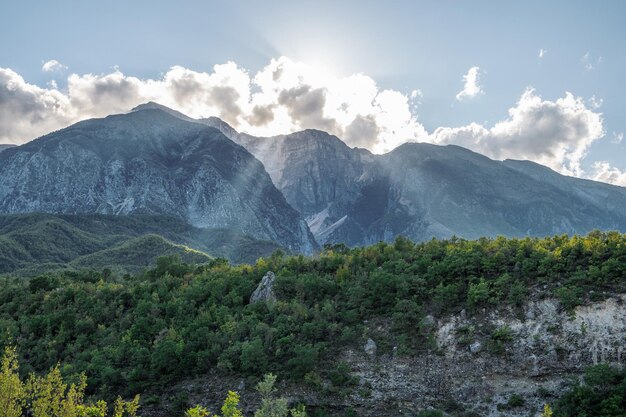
(533, 80)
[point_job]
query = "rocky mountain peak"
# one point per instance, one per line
(150, 161)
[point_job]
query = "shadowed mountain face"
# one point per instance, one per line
(150, 161)
(5, 146)
(423, 191)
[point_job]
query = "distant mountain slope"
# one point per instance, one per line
(5, 146)
(457, 191)
(150, 161)
(35, 243)
(422, 191)
(137, 253)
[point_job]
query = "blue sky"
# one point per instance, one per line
(404, 46)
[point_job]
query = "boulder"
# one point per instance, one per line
(265, 290)
(370, 347)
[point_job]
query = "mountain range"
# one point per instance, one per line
(299, 191)
(421, 191)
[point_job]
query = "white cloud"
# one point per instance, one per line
(27, 111)
(603, 171)
(553, 133)
(287, 96)
(595, 102)
(542, 53)
(471, 86)
(618, 137)
(52, 65)
(589, 63)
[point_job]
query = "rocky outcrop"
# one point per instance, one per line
(150, 161)
(370, 348)
(546, 348)
(465, 373)
(264, 292)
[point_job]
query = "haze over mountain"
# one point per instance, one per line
(148, 161)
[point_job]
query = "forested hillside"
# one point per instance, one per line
(31, 244)
(144, 333)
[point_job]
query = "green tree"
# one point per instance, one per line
(230, 408)
(547, 411)
(270, 406)
(12, 393)
(253, 357)
(197, 411)
(478, 294)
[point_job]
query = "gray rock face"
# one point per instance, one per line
(150, 161)
(446, 191)
(423, 191)
(264, 292)
(172, 164)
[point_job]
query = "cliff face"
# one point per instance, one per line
(545, 348)
(471, 372)
(149, 161)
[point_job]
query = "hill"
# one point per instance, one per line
(34, 243)
(472, 328)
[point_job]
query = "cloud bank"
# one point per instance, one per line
(287, 96)
(553, 133)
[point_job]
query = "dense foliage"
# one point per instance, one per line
(49, 395)
(602, 393)
(176, 321)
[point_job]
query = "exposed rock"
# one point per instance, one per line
(265, 290)
(475, 347)
(547, 353)
(5, 146)
(370, 348)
